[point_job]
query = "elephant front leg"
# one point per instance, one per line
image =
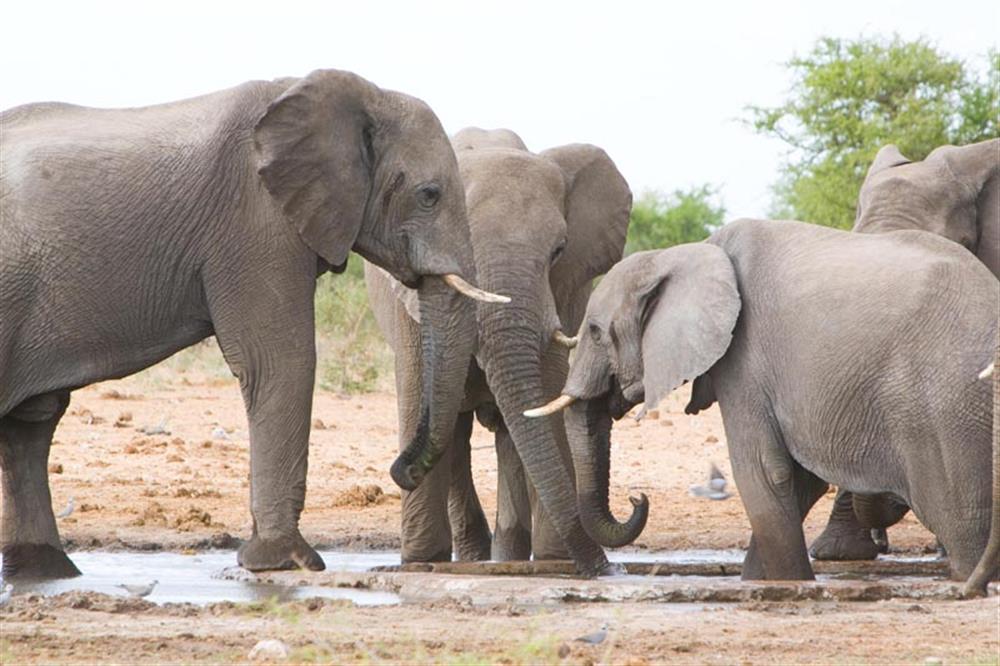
(512, 533)
(469, 528)
(30, 538)
(844, 537)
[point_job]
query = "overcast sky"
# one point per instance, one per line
(659, 85)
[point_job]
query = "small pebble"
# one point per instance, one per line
(55, 468)
(218, 432)
(268, 649)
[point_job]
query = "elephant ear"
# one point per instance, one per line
(988, 222)
(597, 207)
(887, 157)
(690, 306)
(315, 156)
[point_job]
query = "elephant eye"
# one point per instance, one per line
(428, 195)
(558, 252)
(595, 332)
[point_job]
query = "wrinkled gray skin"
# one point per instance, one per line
(954, 193)
(130, 234)
(542, 226)
(840, 357)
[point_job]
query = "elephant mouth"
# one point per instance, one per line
(621, 400)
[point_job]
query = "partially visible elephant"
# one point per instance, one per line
(129, 234)
(542, 227)
(834, 356)
(954, 193)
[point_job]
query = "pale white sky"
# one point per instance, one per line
(658, 85)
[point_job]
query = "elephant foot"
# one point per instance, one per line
(839, 543)
(512, 544)
(440, 556)
(288, 552)
(36, 561)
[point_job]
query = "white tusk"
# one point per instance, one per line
(565, 340)
(987, 371)
(557, 405)
(475, 293)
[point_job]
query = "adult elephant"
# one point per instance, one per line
(542, 227)
(954, 193)
(834, 356)
(130, 234)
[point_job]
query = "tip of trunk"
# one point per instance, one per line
(605, 530)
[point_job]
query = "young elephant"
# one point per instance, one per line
(542, 227)
(840, 357)
(129, 234)
(955, 193)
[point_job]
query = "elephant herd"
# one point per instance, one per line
(851, 358)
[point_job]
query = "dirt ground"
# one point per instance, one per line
(160, 460)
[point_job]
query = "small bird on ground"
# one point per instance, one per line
(67, 510)
(716, 488)
(5, 592)
(139, 591)
(596, 637)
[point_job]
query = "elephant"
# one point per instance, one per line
(834, 356)
(130, 234)
(542, 227)
(955, 193)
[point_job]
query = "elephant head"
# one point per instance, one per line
(543, 227)
(352, 166)
(657, 319)
(954, 192)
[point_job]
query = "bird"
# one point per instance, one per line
(67, 510)
(595, 638)
(5, 594)
(716, 488)
(139, 591)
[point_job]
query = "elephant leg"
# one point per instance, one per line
(546, 544)
(844, 538)
(878, 512)
(512, 533)
(267, 335)
(777, 494)
(470, 530)
(30, 538)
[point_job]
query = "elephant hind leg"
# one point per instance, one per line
(469, 529)
(844, 537)
(31, 546)
(777, 494)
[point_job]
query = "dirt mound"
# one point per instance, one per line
(362, 496)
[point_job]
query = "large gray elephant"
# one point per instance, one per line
(130, 234)
(954, 193)
(543, 226)
(834, 356)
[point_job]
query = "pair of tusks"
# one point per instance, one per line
(557, 405)
(475, 293)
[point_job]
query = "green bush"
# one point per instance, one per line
(352, 355)
(661, 220)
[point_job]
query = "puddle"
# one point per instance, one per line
(694, 556)
(194, 578)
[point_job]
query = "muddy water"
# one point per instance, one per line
(196, 578)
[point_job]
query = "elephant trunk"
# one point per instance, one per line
(510, 355)
(989, 563)
(588, 427)
(447, 340)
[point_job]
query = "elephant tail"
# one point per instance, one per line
(989, 563)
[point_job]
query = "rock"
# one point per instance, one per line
(318, 424)
(218, 432)
(653, 414)
(55, 468)
(123, 420)
(711, 439)
(268, 649)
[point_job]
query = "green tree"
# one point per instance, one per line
(851, 97)
(660, 220)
